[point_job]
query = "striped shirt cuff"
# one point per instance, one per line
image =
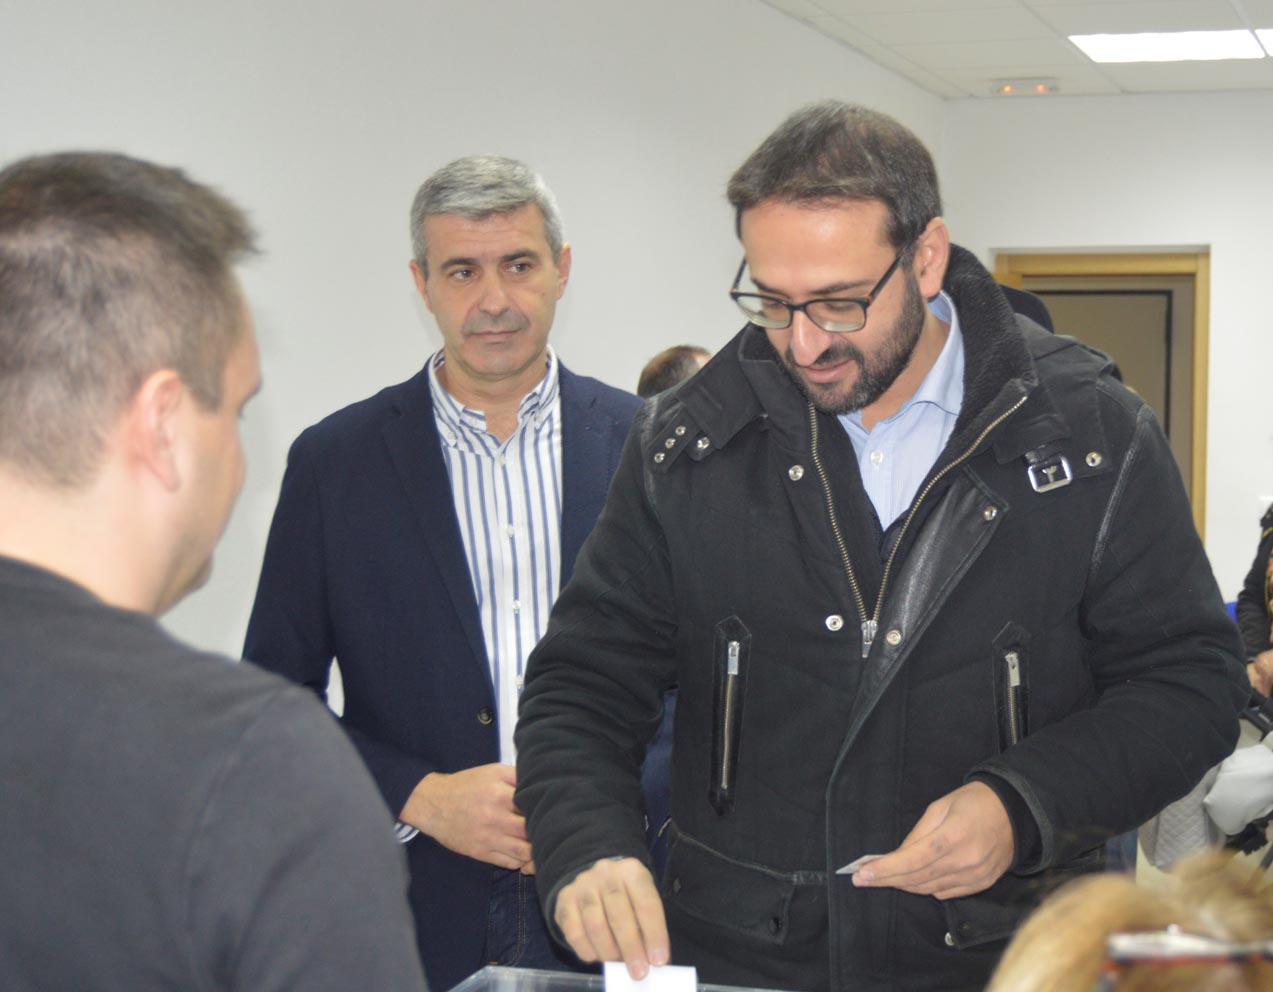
(404, 833)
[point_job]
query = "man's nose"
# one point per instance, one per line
(494, 298)
(808, 340)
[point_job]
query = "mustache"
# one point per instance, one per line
(843, 351)
(509, 320)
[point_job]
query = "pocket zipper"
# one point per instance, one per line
(731, 677)
(1013, 661)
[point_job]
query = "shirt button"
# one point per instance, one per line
(510, 530)
(486, 716)
(877, 457)
(517, 606)
(795, 473)
(834, 622)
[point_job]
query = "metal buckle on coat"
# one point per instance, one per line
(1051, 472)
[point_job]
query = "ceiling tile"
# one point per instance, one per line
(842, 30)
(1259, 13)
(916, 74)
(804, 9)
(937, 26)
(842, 7)
(1040, 51)
(1127, 18)
(1182, 77)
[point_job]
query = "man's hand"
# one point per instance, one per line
(1260, 672)
(472, 813)
(612, 912)
(961, 845)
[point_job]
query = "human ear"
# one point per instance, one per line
(421, 283)
(563, 269)
(932, 255)
(152, 425)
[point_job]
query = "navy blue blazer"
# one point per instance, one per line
(365, 563)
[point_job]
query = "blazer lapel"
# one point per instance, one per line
(585, 468)
(416, 453)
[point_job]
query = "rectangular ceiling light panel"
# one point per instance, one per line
(1174, 46)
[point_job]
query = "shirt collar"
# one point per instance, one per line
(944, 384)
(452, 416)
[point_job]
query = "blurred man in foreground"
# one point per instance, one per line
(169, 819)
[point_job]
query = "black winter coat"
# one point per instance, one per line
(1045, 620)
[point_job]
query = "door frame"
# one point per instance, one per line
(1011, 268)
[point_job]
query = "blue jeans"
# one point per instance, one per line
(516, 934)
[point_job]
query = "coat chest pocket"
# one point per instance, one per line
(732, 654)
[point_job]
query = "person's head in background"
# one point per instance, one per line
(126, 356)
(670, 367)
(1063, 946)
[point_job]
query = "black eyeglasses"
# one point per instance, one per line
(838, 314)
(1173, 946)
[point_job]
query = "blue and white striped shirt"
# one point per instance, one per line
(508, 502)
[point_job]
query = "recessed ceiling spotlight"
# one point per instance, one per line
(1173, 46)
(1024, 87)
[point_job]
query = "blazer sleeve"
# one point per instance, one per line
(291, 630)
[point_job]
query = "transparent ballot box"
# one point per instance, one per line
(493, 979)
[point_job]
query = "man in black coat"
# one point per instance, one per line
(927, 579)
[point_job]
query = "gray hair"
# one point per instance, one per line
(840, 151)
(111, 269)
(477, 187)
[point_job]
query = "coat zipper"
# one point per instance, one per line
(871, 622)
(1013, 661)
(731, 680)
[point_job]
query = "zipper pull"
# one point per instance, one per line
(1014, 669)
(869, 627)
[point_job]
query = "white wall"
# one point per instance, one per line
(1146, 172)
(322, 117)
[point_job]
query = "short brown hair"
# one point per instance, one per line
(669, 368)
(111, 268)
(840, 151)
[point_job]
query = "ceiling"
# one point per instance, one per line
(960, 48)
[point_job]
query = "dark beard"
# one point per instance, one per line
(874, 377)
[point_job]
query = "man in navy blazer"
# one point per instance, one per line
(419, 539)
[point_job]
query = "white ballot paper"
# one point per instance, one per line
(852, 867)
(661, 978)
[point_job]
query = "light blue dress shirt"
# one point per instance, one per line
(896, 454)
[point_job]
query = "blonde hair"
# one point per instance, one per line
(1061, 947)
